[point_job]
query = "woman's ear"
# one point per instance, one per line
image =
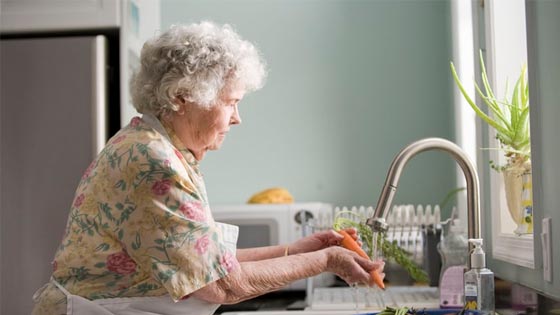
(180, 101)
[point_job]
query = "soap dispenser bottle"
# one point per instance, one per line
(453, 249)
(479, 282)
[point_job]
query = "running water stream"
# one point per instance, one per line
(376, 254)
(370, 293)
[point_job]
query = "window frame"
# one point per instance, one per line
(497, 47)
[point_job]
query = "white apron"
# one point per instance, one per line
(150, 305)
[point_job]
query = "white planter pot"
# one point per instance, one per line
(519, 197)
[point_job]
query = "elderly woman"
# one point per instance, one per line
(140, 237)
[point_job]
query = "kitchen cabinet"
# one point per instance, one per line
(47, 16)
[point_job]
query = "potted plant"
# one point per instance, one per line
(510, 119)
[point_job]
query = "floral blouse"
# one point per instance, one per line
(139, 225)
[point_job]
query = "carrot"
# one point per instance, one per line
(349, 243)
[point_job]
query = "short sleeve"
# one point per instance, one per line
(171, 233)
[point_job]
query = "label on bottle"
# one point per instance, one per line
(479, 291)
(471, 292)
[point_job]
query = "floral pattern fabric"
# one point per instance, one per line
(139, 225)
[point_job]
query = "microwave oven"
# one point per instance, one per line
(278, 224)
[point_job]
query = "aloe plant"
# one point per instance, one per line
(510, 117)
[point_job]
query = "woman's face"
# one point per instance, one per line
(202, 129)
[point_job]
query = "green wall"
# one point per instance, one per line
(350, 83)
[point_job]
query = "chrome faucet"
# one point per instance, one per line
(378, 221)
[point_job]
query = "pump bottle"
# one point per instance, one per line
(479, 282)
(453, 249)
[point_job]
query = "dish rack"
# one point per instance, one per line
(416, 229)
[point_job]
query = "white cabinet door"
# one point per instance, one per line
(55, 15)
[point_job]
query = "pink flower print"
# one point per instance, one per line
(201, 245)
(161, 187)
(228, 261)
(119, 139)
(193, 210)
(79, 200)
(135, 121)
(121, 263)
(167, 163)
(88, 170)
(178, 154)
(54, 265)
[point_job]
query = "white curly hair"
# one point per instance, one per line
(195, 62)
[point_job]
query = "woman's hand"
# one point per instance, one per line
(351, 267)
(319, 240)
(254, 278)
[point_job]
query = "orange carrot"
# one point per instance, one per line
(349, 243)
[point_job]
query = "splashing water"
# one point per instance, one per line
(373, 249)
(355, 293)
(376, 293)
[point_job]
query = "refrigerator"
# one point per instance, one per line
(59, 102)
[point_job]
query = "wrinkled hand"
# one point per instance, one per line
(352, 268)
(319, 240)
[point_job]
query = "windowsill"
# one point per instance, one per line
(518, 250)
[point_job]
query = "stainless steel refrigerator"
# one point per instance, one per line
(55, 114)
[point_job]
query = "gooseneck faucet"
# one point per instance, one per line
(378, 221)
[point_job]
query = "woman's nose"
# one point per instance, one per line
(235, 117)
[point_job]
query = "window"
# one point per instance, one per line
(505, 48)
